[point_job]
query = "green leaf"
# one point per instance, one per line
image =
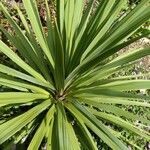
(96, 126)
(97, 101)
(11, 127)
(112, 94)
(7, 51)
(119, 85)
(49, 139)
(23, 134)
(124, 28)
(76, 19)
(121, 112)
(81, 30)
(60, 139)
(59, 70)
(116, 8)
(120, 34)
(41, 131)
(118, 134)
(120, 122)
(60, 14)
(22, 85)
(32, 12)
(18, 74)
(126, 85)
(19, 45)
(73, 138)
(64, 50)
(40, 61)
(7, 98)
(19, 40)
(84, 135)
(50, 36)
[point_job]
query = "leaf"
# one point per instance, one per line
(19, 40)
(62, 71)
(120, 34)
(84, 135)
(41, 131)
(49, 140)
(60, 14)
(21, 47)
(11, 127)
(76, 19)
(81, 30)
(112, 8)
(32, 12)
(118, 134)
(40, 61)
(50, 36)
(22, 85)
(60, 138)
(23, 134)
(110, 94)
(96, 126)
(122, 113)
(98, 102)
(18, 74)
(124, 28)
(123, 123)
(127, 85)
(7, 51)
(59, 70)
(73, 138)
(7, 98)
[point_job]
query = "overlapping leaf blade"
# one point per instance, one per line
(96, 126)
(66, 57)
(10, 127)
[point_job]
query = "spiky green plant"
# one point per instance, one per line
(58, 88)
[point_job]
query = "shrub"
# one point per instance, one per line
(58, 88)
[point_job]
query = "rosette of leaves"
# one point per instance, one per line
(59, 88)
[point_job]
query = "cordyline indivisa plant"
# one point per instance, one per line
(58, 86)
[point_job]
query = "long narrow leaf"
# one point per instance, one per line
(10, 127)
